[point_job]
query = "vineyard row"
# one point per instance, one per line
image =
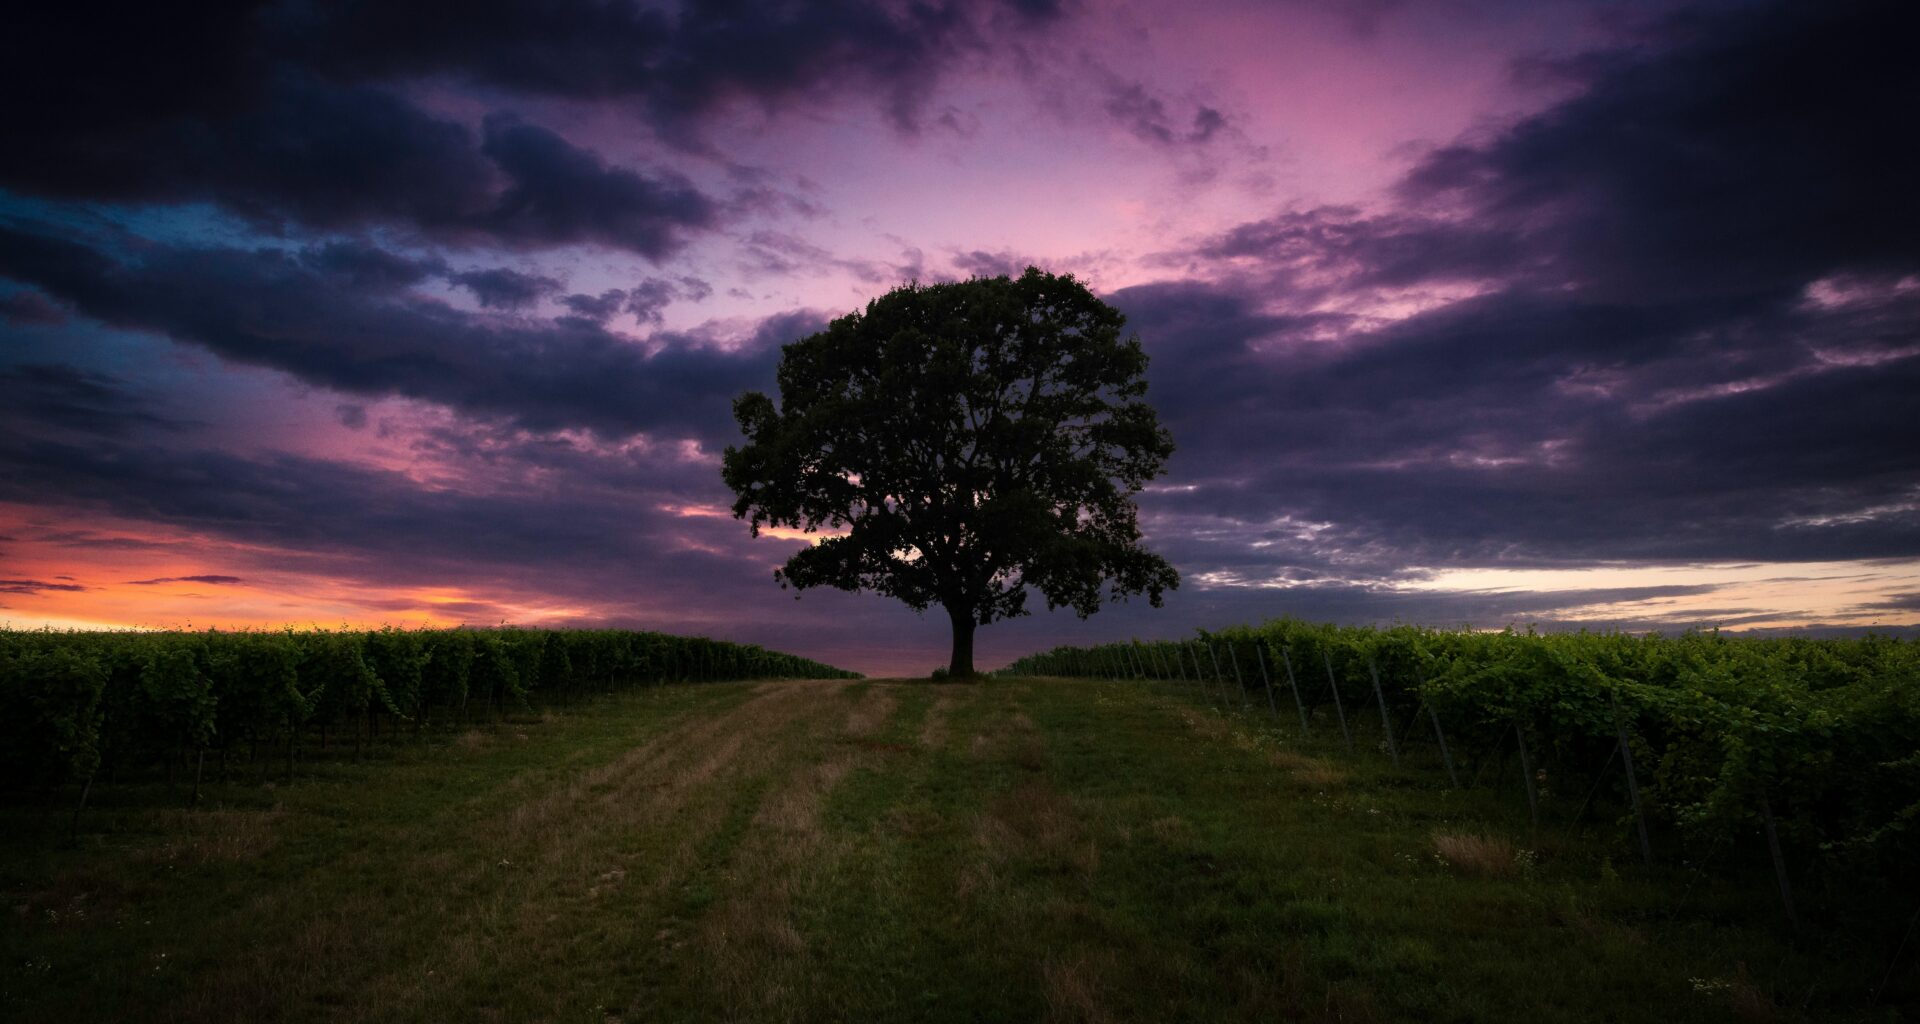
(75, 703)
(1799, 758)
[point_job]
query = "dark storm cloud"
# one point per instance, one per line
(1453, 441)
(30, 309)
(646, 302)
(335, 156)
(513, 512)
(1760, 152)
(680, 64)
(1317, 249)
(369, 267)
(64, 399)
(560, 193)
(499, 288)
(647, 299)
(1147, 117)
(271, 308)
(321, 509)
(600, 308)
(1696, 335)
(289, 111)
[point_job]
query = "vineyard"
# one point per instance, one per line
(1797, 760)
(75, 706)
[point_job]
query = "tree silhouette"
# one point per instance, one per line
(963, 442)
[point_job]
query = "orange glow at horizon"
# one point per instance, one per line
(777, 532)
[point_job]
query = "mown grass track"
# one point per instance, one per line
(1013, 849)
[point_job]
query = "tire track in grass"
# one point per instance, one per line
(359, 855)
(753, 962)
(603, 869)
(448, 913)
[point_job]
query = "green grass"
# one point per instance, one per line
(1006, 850)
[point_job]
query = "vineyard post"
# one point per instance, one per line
(1200, 672)
(1386, 724)
(1334, 684)
(1214, 681)
(1246, 701)
(1444, 754)
(73, 827)
(1179, 663)
(1526, 773)
(1633, 787)
(1260, 655)
(1286, 658)
(1219, 676)
(1213, 655)
(1779, 862)
(1214, 678)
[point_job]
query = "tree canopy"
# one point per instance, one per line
(959, 444)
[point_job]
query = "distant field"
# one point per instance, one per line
(1016, 849)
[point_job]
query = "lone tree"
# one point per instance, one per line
(972, 440)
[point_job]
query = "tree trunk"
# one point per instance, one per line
(961, 665)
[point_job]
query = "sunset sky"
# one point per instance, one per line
(1477, 312)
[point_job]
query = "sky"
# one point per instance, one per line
(1461, 313)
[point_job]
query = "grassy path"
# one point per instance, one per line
(1013, 850)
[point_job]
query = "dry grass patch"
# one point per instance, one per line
(1486, 856)
(933, 729)
(1074, 988)
(1035, 822)
(213, 836)
(1750, 1001)
(1171, 829)
(873, 708)
(561, 852)
(1320, 776)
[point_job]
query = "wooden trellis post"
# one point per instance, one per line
(1386, 724)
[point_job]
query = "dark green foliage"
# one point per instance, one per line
(972, 440)
(150, 700)
(1826, 732)
(50, 710)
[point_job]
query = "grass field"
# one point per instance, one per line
(1004, 850)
